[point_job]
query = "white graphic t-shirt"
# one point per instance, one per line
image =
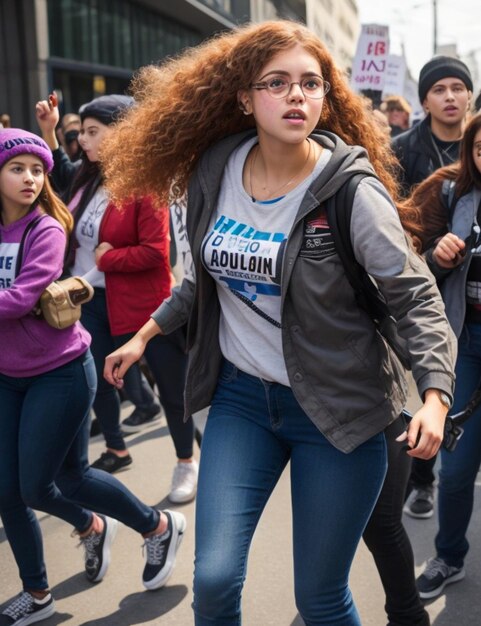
(8, 261)
(243, 250)
(87, 233)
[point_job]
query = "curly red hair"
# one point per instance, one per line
(190, 102)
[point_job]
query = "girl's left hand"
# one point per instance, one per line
(425, 432)
(101, 249)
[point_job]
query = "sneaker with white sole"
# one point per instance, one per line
(26, 609)
(161, 550)
(97, 549)
(436, 576)
(184, 482)
(420, 503)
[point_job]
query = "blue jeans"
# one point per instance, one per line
(458, 471)
(254, 429)
(43, 463)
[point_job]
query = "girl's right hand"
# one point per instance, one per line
(117, 363)
(47, 113)
(449, 251)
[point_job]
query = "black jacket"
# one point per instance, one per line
(417, 154)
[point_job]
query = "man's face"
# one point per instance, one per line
(447, 101)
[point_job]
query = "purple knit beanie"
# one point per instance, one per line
(14, 141)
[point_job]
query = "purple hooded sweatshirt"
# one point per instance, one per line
(28, 345)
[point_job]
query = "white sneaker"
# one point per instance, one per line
(184, 482)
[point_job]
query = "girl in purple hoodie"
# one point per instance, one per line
(47, 384)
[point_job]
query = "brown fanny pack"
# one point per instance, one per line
(60, 303)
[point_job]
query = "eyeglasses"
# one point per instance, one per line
(279, 87)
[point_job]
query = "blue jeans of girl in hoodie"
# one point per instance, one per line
(43, 464)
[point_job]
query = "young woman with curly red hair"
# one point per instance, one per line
(260, 128)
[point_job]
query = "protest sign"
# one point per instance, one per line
(395, 76)
(370, 62)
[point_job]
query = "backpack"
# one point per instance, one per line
(368, 296)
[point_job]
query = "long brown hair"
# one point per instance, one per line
(424, 215)
(51, 204)
(190, 102)
(469, 175)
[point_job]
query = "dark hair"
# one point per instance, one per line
(88, 177)
(477, 103)
(469, 174)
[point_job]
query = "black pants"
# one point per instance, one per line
(422, 474)
(388, 541)
(167, 361)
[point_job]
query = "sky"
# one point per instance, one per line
(411, 23)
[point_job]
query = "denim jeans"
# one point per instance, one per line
(253, 430)
(459, 469)
(43, 463)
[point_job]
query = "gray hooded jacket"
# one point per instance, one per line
(342, 373)
(453, 281)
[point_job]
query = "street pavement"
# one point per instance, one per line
(120, 599)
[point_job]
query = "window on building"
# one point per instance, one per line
(117, 33)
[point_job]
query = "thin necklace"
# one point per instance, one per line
(289, 182)
(444, 151)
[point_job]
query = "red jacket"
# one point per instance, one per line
(137, 270)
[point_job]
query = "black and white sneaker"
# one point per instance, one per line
(26, 609)
(97, 549)
(436, 576)
(161, 550)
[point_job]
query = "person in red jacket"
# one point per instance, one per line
(124, 253)
(133, 253)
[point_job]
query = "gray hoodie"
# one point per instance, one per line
(340, 369)
(453, 281)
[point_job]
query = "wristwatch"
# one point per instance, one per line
(445, 399)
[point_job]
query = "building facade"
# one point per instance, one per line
(86, 48)
(336, 22)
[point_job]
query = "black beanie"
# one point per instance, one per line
(442, 67)
(106, 109)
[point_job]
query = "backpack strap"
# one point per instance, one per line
(448, 190)
(28, 228)
(339, 213)
(368, 296)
